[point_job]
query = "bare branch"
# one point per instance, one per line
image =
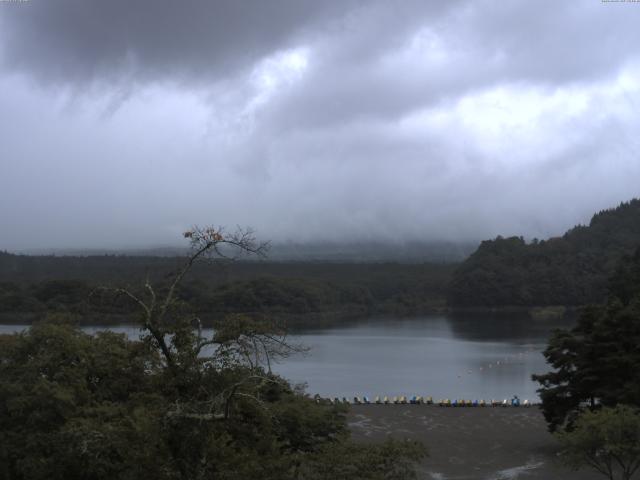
(152, 292)
(123, 291)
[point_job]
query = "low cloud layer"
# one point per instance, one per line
(125, 122)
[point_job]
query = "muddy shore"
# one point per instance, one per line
(470, 443)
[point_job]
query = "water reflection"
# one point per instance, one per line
(452, 357)
(500, 327)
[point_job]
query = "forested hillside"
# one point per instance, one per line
(569, 270)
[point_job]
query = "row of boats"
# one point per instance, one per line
(418, 400)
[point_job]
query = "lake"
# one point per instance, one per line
(443, 356)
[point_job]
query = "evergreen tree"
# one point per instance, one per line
(598, 361)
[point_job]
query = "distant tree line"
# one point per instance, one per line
(568, 270)
(289, 289)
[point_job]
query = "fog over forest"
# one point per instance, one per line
(123, 123)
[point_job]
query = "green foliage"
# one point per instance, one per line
(606, 440)
(61, 291)
(173, 405)
(265, 294)
(103, 407)
(598, 361)
(625, 283)
(569, 270)
(291, 290)
(69, 399)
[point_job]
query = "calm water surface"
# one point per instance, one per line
(438, 356)
(445, 357)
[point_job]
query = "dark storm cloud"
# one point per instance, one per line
(146, 41)
(123, 122)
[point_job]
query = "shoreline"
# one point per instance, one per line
(327, 318)
(469, 443)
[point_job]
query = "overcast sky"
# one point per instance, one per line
(124, 122)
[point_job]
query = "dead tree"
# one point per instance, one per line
(237, 341)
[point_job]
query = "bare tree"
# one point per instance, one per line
(238, 341)
(207, 243)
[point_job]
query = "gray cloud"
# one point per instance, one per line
(124, 122)
(147, 41)
(465, 49)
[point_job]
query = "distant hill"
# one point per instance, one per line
(569, 270)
